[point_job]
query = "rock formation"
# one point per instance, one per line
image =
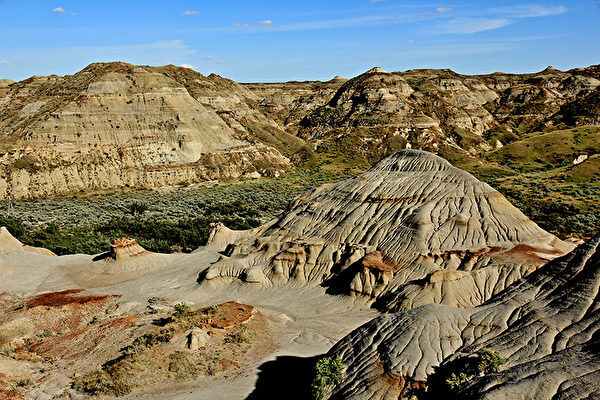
(123, 248)
(429, 109)
(118, 125)
(411, 230)
(546, 324)
(11, 245)
(114, 125)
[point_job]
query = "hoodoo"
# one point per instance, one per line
(411, 217)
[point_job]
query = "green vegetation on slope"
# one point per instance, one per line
(160, 222)
(536, 173)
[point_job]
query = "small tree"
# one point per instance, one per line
(484, 362)
(489, 361)
(329, 371)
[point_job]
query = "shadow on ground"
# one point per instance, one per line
(286, 377)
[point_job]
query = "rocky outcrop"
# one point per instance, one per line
(114, 125)
(123, 248)
(427, 109)
(545, 324)
(413, 220)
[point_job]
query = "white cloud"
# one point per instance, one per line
(191, 12)
(5, 62)
(441, 10)
(211, 58)
(410, 41)
(187, 66)
(59, 10)
(336, 23)
(471, 25)
(529, 11)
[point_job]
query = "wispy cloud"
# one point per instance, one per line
(5, 62)
(376, 1)
(441, 10)
(495, 18)
(187, 66)
(529, 11)
(336, 23)
(211, 58)
(471, 25)
(59, 10)
(191, 12)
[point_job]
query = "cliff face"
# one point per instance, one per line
(545, 324)
(114, 125)
(117, 124)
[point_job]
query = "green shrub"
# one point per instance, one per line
(138, 208)
(239, 336)
(456, 380)
(484, 362)
(329, 371)
(180, 309)
(489, 361)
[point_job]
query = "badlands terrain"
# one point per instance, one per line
(404, 235)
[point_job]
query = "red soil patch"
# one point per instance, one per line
(533, 253)
(62, 298)
(121, 323)
(479, 252)
(379, 261)
(231, 314)
(226, 363)
(10, 395)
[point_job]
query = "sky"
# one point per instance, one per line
(269, 41)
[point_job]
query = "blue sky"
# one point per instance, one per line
(253, 41)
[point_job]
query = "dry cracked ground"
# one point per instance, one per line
(412, 280)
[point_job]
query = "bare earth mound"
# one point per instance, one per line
(410, 231)
(546, 325)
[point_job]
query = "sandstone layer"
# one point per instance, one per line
(410, 231)
(117, 125)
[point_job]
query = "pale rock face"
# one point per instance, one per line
(11, 245)
(580, 159)
(414, 210)
(546, 324)
(459, 106)
(197, 338)
(115, 125)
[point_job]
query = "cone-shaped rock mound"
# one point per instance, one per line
(10, 244)
(546, 325)
(123, 248)
(418, 212)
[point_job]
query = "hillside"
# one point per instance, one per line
(116, 126)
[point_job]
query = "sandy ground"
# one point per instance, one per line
(302, 321)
